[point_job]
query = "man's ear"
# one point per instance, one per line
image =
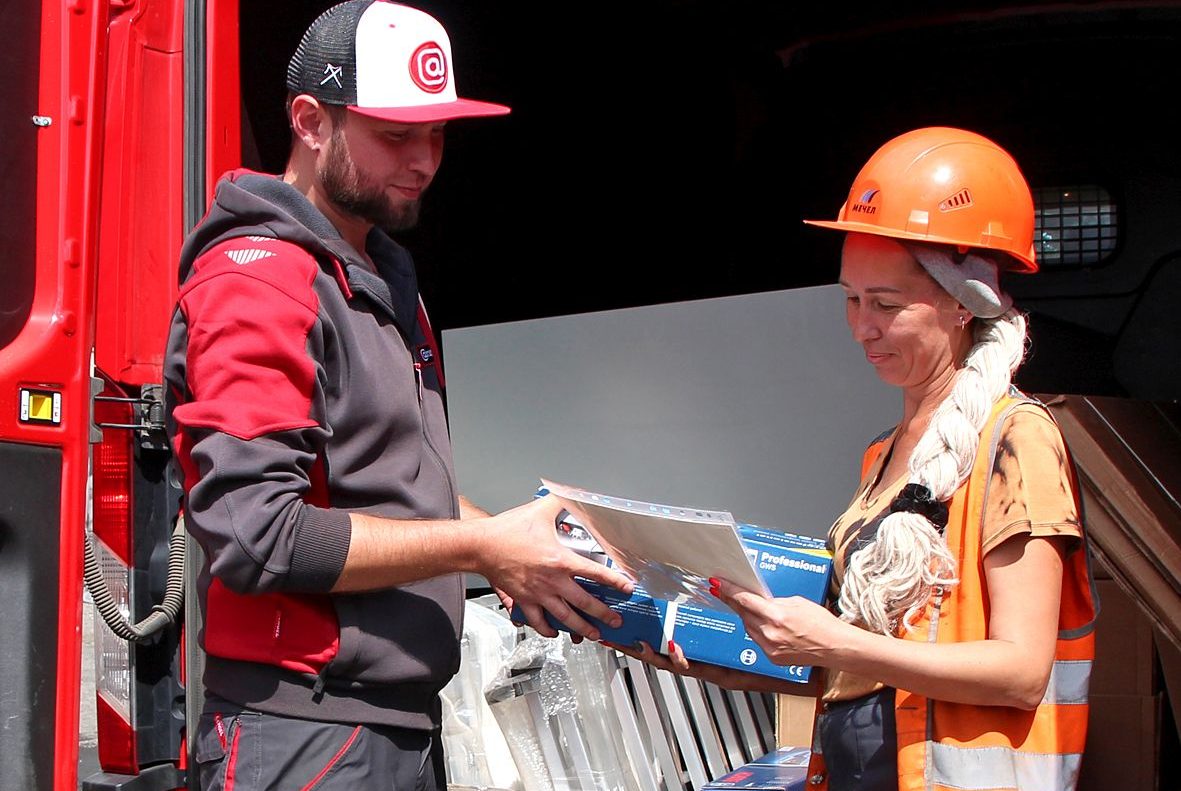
(310, 124)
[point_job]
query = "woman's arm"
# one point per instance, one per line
(1010, 668)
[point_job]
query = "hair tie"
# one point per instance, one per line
(917, 499)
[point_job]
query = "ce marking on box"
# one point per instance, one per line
(41, 407)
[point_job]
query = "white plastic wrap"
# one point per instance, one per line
(476, 752)
(552, 701)
(514, 695)
(599, 719)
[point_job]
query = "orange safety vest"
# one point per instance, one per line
(946, 746)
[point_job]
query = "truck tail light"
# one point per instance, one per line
(113, 505)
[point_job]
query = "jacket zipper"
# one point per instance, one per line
(407, 338)
(434, 452)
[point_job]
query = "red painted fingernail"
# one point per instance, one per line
(715, 592)
(714, 582)
(671, 646)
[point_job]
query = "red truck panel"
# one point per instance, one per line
(141, 219)
(51, 352)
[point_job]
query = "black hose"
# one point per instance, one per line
(163, 614)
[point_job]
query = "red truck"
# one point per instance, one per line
(664, 150)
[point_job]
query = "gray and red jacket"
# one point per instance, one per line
(303, 385)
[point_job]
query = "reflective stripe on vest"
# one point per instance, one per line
(958, 747)
(990, 768)
(1069, 680)
(945, 745)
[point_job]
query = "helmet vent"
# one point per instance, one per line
(960, 200)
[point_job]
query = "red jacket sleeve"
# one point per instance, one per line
(246, 353)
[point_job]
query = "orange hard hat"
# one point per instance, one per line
(945, 186)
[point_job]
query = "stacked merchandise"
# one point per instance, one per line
(477, 754)
(528, 713)
(551, 700)
(786, 769)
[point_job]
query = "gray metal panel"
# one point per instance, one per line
(725, 725)
(758, 404)
(660, 742)
(30, 548)
(744, 720)
(632, 740)
(762, 706)
(674, 707)
(707, 730)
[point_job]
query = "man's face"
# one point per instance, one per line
(378, 170)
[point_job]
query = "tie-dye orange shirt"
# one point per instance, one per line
(1029, 494)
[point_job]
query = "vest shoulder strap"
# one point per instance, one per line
(875, 449)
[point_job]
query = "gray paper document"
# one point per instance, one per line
(670, 551)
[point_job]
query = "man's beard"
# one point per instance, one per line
(348, 189)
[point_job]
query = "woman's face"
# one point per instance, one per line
(907, 324)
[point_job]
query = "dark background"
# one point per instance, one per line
(668, 150)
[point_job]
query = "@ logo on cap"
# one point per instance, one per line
(428, 68)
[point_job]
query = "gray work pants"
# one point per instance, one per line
(243, 750)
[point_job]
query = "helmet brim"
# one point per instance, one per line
(1025, 265)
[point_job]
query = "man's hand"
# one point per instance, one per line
(526, 565)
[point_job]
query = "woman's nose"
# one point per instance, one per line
(863, 326)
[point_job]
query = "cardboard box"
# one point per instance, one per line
(785, 769)
(791, 565)
(795, 716)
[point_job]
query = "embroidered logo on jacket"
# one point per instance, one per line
(247, 256)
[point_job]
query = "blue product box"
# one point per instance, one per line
(785, 769)
(791, 565)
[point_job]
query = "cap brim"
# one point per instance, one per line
(1021, 265)
(433, 113)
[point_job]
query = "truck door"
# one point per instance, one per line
(46, 300)
(146, 152)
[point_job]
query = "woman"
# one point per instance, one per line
(958, 650)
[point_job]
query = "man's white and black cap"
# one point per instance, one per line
(383, 60)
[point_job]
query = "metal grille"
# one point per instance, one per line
(1074, 225)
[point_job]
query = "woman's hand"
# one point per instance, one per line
(1009, 668)
(791, 631)
(675, 662)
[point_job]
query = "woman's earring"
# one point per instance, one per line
(963, 321)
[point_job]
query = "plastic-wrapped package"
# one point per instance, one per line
(515, 706)
(550, 699)
(599, 717)
(476, 752)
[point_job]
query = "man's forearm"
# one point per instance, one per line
(516, 551)
(388, 552)
(469, 510)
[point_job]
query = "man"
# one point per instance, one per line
(307, 420)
